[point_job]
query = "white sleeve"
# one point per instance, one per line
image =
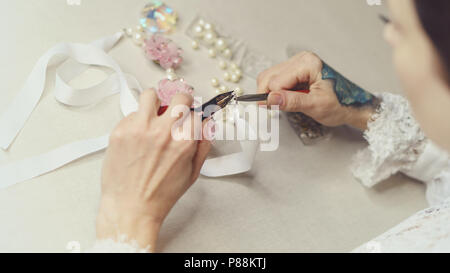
(120, 246)
(426, 231)
(397, 144)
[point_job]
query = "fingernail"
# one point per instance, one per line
(210, 130)
(275, 99)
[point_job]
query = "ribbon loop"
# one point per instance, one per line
(76, 59)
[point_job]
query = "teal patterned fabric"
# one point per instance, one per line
(347, 92)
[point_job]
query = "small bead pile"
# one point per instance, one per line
(137, 34)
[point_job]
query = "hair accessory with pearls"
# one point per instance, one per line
(163, 51)
(168, 88)
(156, 16)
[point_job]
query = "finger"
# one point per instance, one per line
(148, 103)
(284, 81)
(290, 101)
(209, 129)
(263, 82)
(180, 105)
(194, 124)
(203, 148)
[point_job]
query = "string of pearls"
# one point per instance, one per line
(205, 33)
(137, 34)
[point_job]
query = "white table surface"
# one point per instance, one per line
(295, 199)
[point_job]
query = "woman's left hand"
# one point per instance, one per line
(146, 171)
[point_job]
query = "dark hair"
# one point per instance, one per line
(435, 18)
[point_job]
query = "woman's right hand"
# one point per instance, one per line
(321, 103)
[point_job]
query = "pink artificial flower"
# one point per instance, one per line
(167, 89)
(163, 51)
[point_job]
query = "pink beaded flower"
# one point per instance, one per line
(163, 51)
(167, 89)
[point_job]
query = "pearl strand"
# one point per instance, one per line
(137, 34)
(205, 33)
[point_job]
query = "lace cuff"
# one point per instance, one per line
(425, 231)
(121, 246)
(438, 189)
(395, 142)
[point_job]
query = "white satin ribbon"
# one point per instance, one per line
(83, 55)
(237, 162)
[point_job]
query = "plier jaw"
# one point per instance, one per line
(216, 104)
(209, 108)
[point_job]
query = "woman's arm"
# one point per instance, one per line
(396, 143)
(333, 100)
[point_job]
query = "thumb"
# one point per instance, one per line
(289, 101)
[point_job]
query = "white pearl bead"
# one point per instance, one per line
(195, 45)
(198, 30)
(201, 22)
(238, 91)
(170, 71)
(212, 53)
(223, 89)
(218, 92)
(129, 32)
(234, 66)
(210, 37)
(172, 76)
(226, 76)
(138, 38)
(234, 78)
(215, 82)
(223, 65)
(220, 44)
(238, 72)
(227, 53)
(208, 26)
(139, 28)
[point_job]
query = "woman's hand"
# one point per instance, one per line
(146, 171)
(322, 103)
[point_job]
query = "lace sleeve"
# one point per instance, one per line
(395, 142)
(438, 189)
(112, 246)
(426, 231)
